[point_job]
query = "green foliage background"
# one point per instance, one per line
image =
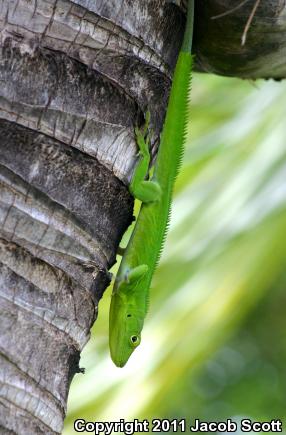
(214, 342)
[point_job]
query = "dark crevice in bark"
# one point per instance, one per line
(73, 364)
(5, 431)
(218, 42)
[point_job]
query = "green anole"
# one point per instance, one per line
(129, 302)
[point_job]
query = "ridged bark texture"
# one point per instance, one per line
(76, 76)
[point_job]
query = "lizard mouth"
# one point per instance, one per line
(119, 352)
(119, 363)
(119, 360)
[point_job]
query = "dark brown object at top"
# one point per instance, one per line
(218, 44)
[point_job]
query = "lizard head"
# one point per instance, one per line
(127, 312)
(125, 326)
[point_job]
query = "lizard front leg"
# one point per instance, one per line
(128, 282)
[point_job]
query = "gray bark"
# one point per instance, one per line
(76, 77)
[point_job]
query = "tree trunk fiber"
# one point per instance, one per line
(75, 78)
(220, 26)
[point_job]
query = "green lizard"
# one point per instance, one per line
(130, 295)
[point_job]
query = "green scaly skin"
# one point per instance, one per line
(130, 296)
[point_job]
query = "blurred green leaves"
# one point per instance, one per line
(224, 259)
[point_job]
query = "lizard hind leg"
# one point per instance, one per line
(140, 188)
(128, 283)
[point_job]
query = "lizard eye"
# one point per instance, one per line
(135, 340)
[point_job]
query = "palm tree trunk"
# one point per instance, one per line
(76, 77)
(241, 38)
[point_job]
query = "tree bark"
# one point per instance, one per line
(220, 26)
(76, 77)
